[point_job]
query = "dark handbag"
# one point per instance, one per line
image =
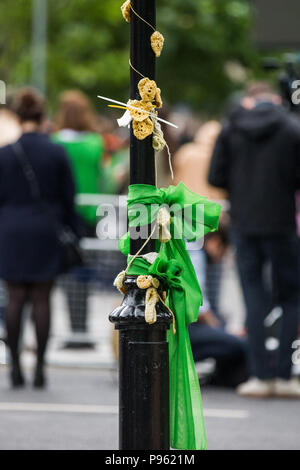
(72, 253)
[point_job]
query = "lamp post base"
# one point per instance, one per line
(143, 373)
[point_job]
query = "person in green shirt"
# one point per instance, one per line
(76, 131)
(85, 147)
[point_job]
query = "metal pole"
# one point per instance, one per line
(143, 349)
(39, 45)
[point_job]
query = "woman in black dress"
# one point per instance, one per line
(31, 256)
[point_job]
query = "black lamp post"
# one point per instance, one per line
(143, 349)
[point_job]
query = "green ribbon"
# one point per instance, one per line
(173, 267)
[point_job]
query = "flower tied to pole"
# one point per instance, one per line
(151, 285)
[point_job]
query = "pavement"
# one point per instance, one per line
(79, 411)
(79, 408)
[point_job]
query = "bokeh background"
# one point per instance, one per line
(209, 53)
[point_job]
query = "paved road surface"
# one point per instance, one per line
(79, 411)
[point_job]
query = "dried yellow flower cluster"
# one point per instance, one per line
(142, 111)
(143, 125)
(147, 89)
(142, 129)
(157, 43)
(144, 282)
(126, 10)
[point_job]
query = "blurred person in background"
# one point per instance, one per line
(77, 131)
(116, 163)
(116, 172)
(191, 166)
(36, 193)
(215, 249)
(208, 336)
(257, 160)
(192, 161)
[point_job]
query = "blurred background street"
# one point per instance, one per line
(79, 411)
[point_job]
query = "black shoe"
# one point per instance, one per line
(16, 376)
(39, 377)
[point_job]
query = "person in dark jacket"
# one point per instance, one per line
(257, 160)
(31, 256)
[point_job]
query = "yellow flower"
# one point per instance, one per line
(147, 89)
(142, 129)
(157, 43)
(138, 114)
(126, 10)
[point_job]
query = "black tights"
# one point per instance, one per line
(39, 296)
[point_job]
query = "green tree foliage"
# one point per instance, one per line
(88, 47)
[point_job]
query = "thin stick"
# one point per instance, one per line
(134, 108)
(116, 106)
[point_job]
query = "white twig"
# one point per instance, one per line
(135, 108)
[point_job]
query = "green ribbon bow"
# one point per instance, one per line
(173, 267)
